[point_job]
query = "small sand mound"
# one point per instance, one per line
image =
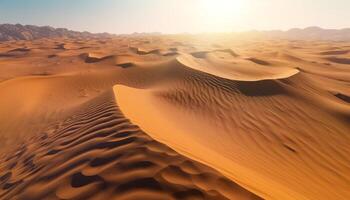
(20, 50)
(173, 49)
(141, 51)
(95, 57)
(61, 46)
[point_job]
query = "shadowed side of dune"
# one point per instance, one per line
(260, 88)
(258, 61)
(126, 65)
(203, 54)
(99, 154)
(200, 54)
(339, 52)
(339, 60)
(343, 97)
(19, 50)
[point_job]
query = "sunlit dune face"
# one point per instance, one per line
(222, 14)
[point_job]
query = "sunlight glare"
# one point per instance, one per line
(222, 14)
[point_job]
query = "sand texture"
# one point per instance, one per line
(174, 117)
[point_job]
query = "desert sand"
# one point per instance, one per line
(174, 117)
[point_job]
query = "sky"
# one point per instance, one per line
(177, 16)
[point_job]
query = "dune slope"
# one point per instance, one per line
(266, 134)
(99, 154)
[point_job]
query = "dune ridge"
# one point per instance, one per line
(107, 157)
(236, 72)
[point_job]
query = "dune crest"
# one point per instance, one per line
(235, 71)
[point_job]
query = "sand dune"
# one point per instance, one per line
(174, 117)
(98, 154)
(142, 51)
(224, 129)
(94, 57)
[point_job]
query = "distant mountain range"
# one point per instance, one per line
(309, 33)
(30, 32)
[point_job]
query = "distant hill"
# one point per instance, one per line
(310, 33)
(30, 32)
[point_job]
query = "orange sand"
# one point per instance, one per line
(220, 118)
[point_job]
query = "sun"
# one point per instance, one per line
(221, 14)
(221, 7)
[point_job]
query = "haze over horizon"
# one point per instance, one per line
(176, 16)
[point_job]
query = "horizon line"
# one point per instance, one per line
(184, 32)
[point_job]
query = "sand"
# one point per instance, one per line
(174, 117)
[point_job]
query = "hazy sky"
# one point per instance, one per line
(174, 16)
